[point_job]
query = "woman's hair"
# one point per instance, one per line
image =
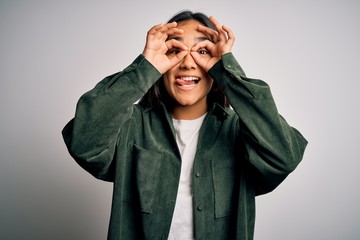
(158, 92)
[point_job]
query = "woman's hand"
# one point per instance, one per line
(221, 42)
(156, 46)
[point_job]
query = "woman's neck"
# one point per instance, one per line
(188, 112)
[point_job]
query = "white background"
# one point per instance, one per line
(53, 51)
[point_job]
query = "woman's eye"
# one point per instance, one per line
(203, 51)
(173, 51)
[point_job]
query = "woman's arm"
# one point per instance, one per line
(100, 114)
(274, 147)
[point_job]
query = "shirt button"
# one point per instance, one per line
(197, 175)
(200, 208)
(229, 66)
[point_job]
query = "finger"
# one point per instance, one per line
(166, 27)
(155, 28)
(198, 59)
(215, 23)
(172, 43)
(222, 33)
(178, 58)
(171, 24)
(208, 31)
(208, 45)
(163, 28)
(230, 34)
(204, 63)
(163, 33)
(173, 31)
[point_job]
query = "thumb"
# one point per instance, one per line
(199, 60)
(178, 58)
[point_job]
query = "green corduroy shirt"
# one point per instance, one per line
(242, 152)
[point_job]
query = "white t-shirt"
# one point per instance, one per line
(187, 134)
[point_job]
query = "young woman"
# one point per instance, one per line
(184, 164)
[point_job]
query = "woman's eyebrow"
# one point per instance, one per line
(178, 38)
(199, 39)
(175, 37)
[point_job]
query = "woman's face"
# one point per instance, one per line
(187, 83)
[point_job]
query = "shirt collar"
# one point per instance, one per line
(215, 109)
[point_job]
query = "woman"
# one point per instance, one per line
(184, 164)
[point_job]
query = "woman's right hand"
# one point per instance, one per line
(157, 46)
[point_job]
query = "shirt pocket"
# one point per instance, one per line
(223, 177)
(147, 175)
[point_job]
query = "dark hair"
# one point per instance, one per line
(158, 92)
(188, 15)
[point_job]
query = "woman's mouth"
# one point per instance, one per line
(187, 81)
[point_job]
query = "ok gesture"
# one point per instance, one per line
(156, 46)
(222, 40)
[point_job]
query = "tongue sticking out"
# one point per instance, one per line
(187, 81)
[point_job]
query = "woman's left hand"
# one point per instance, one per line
(221, 42)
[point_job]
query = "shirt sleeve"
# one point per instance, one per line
(274, 148)
(100, 114)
